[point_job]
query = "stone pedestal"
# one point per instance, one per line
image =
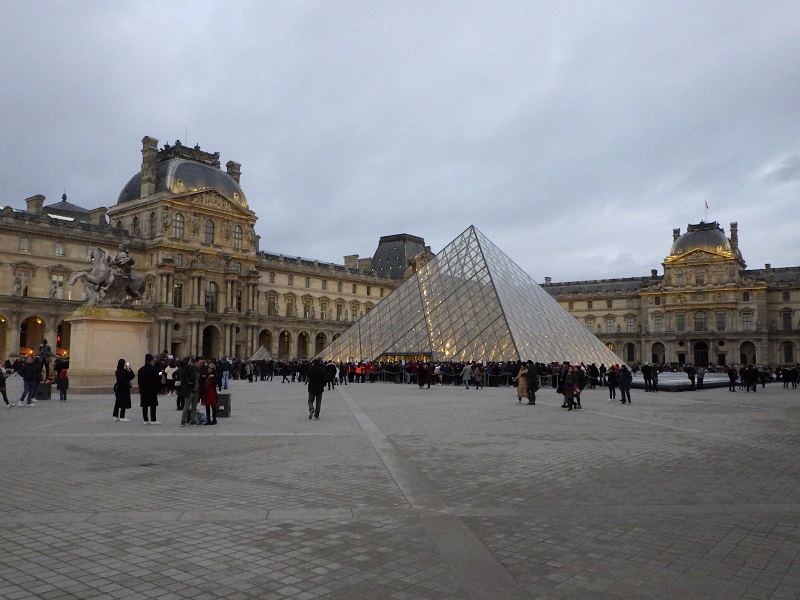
(100, 337)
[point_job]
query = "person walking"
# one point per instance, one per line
(30, 372)
(62, 384)
(733, 374)
(122, 390)
(532, 381)
(317, 378)
(3, 387)
(466, 374)
(149, 383)
(625, 378)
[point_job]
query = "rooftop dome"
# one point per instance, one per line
(180, 169)
(703, 236)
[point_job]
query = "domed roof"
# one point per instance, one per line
(180, 169)
(704, 236)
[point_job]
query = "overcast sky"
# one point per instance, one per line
(574, 135)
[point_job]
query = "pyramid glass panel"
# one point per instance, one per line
(470, 302)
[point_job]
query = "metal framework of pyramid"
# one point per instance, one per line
(470, 302)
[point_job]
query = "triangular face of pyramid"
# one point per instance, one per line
(470, 302)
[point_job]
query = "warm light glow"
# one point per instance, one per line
(38, 321)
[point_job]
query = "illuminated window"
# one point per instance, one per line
(178, 222)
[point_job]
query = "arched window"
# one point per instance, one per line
(237, 237)
(135, 226)
(178, 221)
(119, 224)
(211, 296)
(152, 225)
(209, 231)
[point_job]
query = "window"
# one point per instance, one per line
(720, 321)
(629, 324)
(589, 323)
(353, 312)
(135, 225)
(571, 305)
(272, 306)
(57, 287)
(719, 275)
(238, 299)
(629, 303)
(271, 277)
(308, 282)
(369, 290)
(209, 229)
(24, 244)
(609, 303)
(700, 321)
(746, 296)
(59, 249)
(306, 309)
(323, 309)
(589, 305)
(291, 307)
(177, 295)
(339, 312)
(178, 260)
(786, 296)
(747, 321)
(680, 322)
(788, 352)
(787, 321)
(324, 284)
(25, 283)
(152, 224)
(658, 300)
(178, 222)
(381, 291)
(339, 286)
(355, 288)
(700, 277)
(680, 279)
(290, 280)
(680, 299)
(119, 224)
(657, 323)
(237, 237)
(610, 325)
(211, 296)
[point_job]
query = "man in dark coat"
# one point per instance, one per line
(149, 383)
(532, 377)
(317, 377)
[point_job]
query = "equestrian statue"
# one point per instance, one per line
(110, 281)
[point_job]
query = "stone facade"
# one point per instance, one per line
(208, 287)
(707, 307)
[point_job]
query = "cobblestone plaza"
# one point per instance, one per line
(402, 493)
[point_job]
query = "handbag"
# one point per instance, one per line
(576, 391)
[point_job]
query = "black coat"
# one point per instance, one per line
(317, 377)
(122, 388)
(149, 383)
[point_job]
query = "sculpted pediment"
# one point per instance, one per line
(213, 200)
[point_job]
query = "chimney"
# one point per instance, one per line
(676, 233)
(35, 204)
(234, 170)
(734, 236)
(149, 156)
(548, 280)
(653, 273)
(351, 261)
(98, 216)
(768, 266)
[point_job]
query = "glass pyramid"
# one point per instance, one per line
(470, 302)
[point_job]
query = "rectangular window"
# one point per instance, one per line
(339, 312)
(680, 322)
(658, 300)
(369, 290)
(629, 303)
(571, 305)
(657, 323)
(59, 250)
(308, 282)
(787, 321)
(25, 283)
(307, 309)
(590, 324)
(355, 288)
(323, 309)
(178, 260)
(338, 286)
(177, 295)
(610, 303)
(629, 324)
(238, 300)
(747, 321)
(381, 292)
(720, 321)
(324, 284)
(290, 280)
(24, 244)
(57, 287)
(589, 305)
(700, 322)
(290, 308)
(272, 306)
(609, 325)
(271, 277)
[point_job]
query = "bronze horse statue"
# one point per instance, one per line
(107, 283)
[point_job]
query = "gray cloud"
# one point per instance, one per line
(575, 135)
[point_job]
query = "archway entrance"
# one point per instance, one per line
(701, 354)
(658, 353)
(284, 345)
(302, 346)
(629, 353)
(211, 342)
(320, 343)
(31, 334)
(265, 340)
(747, 353)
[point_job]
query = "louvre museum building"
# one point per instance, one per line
(707, 308)
(208, 288)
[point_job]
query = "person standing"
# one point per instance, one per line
(62, 384)
(655, 379)
(149, 383)
(522, 382)
(701, 374)
(317, 378)
(625, 378)
(570, 385)
(466, 374)
(45, 352)
(732, 375)
(209, 396)
(611, 383)
(532, 381)
(122, 390)
(189, 391)
(30, 372)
